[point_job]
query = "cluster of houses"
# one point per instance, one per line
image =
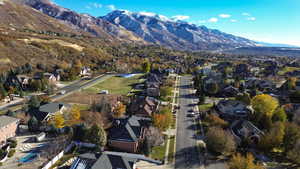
(255, 77)
(125, 136)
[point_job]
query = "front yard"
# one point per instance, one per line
(205, 107)
(158, 152)
(116, 85)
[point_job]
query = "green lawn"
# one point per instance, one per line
(115, 85)
(171, 149)
(287, 69)
(3, 112)
(205, 107)
(158, 152)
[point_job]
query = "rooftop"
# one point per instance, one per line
(53, 107)
(6, 120)
(128, 128)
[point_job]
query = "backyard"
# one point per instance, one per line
(116, 85)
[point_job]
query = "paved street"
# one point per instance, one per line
(187, 155)
(78, 85)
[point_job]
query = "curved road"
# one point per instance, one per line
(76, 86)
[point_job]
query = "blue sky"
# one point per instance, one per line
(276, 21)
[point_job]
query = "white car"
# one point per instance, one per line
(104, 92)
(62, 92)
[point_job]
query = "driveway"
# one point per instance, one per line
(187, 155)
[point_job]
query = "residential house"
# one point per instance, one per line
(233, 109)
(242, 70)
(49, 76)
(245, 130)
(46, 111)
(52, 77)
(8, 128)
(109, 160)
(153, 79)
(23, 81)
(144, 106)
(85, 71)
(230, 91)
(295, 73)
(127, 134)
(153, 92)
(262, 85)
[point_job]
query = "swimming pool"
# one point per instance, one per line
(32, 155)
(28, 158)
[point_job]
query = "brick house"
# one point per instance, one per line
(8, 128)
(127, 134)
(144, 106)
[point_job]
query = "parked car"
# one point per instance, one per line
(62, 92)
(104, 92)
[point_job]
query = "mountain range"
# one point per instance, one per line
(141, 28)
(120, 25)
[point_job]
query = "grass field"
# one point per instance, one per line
(287, 69)
(205, 107)
(158, 152)
(171, 149)
(115, 85)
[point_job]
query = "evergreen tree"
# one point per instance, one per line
(34, 102)
(33, 124)
(97, 135)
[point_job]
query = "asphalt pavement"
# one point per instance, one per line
(76, 86)
(187, 155)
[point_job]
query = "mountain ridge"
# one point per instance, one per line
(144, 28)
(160, 30)
(84, 22)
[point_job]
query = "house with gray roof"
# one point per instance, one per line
(46, 111)
(127, 134)
(245, 130)
(109, 160)
(233, 109)
(8, 128)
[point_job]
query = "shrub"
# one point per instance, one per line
(13, 144)
(11, 152)
(215, 121)
(273, 138)
(240, 162)
(294, 153)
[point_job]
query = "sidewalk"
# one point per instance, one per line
(172, 132)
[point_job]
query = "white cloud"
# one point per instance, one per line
(233, 20)
(224, 16)
(180, 17)
(111, 7)
(213, 20)
(251, 18)
(147, 13)
(93, 5)
(97, 5)
(246, 14)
